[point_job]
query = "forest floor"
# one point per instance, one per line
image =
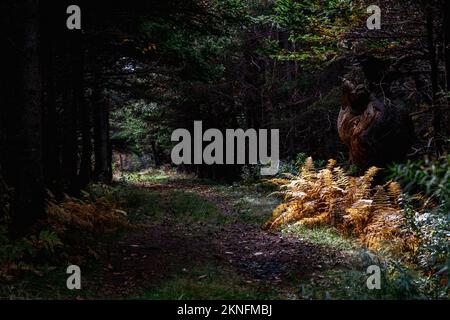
(199, 240)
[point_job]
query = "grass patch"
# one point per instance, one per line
(352, 285)
(338, 285)
(208, 282)
(51, 286)
(254, 208)
(249, 205)
(145, 205)
(190, 207)
(326, 236)
(147, 176)
(246, 203)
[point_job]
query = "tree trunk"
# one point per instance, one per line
(73, 98)
(447, 54)
(28, 203)
(85, 173)
(102, 146)
(69, 147)
(51, 161)
(434, 80)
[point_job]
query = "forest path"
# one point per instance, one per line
(205, 241)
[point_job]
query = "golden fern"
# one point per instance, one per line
(97, 217)
(351, 204)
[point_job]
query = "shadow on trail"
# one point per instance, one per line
(166, 246)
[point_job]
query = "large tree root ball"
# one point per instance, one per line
(374, 133)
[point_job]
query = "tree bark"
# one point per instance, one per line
(28, 203)
(85, 173)
(73, 98)
(102, 146)
(447, 53)
(437, 114)
(51, 161)
(70, 141)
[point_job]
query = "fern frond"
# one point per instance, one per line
(332, 197)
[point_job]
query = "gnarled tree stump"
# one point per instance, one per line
(374, 133)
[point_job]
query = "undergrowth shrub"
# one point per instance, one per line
(351, 204)
(428, 177)
(92, 218)
(427, 186)
(71, 231)
(412, 228)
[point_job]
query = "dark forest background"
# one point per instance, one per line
(78, 106)
(136, 72)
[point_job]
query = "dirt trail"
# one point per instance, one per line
(148, 258)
